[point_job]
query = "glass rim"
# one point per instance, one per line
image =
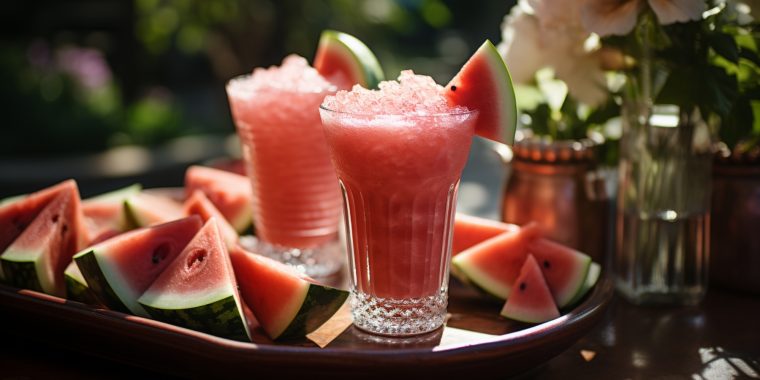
(399, 115)
(239, 78)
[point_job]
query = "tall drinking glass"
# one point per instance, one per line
(296, 197)
(399, 176)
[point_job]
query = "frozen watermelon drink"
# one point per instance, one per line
(399, 153)
(296, 198)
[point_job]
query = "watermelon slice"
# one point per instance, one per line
(229, 192)
(76, 286)
(143, 210)
(564, 268)
(470, 230)
(530, 301)
(198, 289)
(345, 61)
(120, 269)
(484, 84)
(199, 204)
(104, 214)
(37, 258)
(286, 303)
(18, 212)
(594, 270)
(494, 264)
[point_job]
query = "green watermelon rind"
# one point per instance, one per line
(319, 305)
(92, 270)
(592, 276)
(470, 275)
(564, 299)
(361, 55)
(506, 91)
(22, 269)
(76, 286)
(21, 274)
(220, 316)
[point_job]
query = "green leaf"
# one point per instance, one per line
(725, 46)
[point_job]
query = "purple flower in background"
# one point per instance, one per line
(87, 66)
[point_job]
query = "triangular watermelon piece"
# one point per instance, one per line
(104, 214)
(564, 268)
(470, 230)
(530, 301)
(199, 204)
(229, 192)
(38, 257)
(494, 264)
(286, 303)
(120, 269)
(16, 213)
(198, 289)
(484, 84)
(344, 60)
(143, 210)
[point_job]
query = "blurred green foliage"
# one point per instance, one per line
(161, 65)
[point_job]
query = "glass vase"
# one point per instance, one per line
(663, 219)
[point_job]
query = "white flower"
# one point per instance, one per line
(618, 17)
(548, 33)
(521, 45)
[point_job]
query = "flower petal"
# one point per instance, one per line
(520, 45)
(671, 11)
(607, 17)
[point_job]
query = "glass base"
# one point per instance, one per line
(321, 261)
(398, 317)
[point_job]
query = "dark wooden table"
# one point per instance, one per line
(713, 341)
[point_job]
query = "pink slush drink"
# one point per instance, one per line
(296, 197)
(399, 153)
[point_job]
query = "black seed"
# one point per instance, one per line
(55, 218)
(453, 88)
(523, 286)
(160, 252)
(196, 257)
(64, 229)
(547, 264)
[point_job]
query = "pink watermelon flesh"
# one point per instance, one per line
(471, 230)
(143, 210)
(198, 289)
(494, 264)
(564, 268)
(17, 215)
(40, 255)
(199, 204)
(104, 214)
(120, 269)
(530, 301)
(484, 84)
(229, 192)
(273, 291)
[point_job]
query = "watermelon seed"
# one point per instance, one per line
(55, 218)
(196, 258)
(159, 254)
(64, 229)
(453, 88)
(547, 264)
(523, 286)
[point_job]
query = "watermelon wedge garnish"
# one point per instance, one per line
(229, 192)
(345, 61)
(470, 230)
(198, 289)
(286, 303)
(38, 257)
(120, 269)
(484, 84)
(564, 268)
(530, 301)
(143, 210)
(494, 264)
(199, 204)
(105, 215)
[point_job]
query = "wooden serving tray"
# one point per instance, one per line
(475, 342)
